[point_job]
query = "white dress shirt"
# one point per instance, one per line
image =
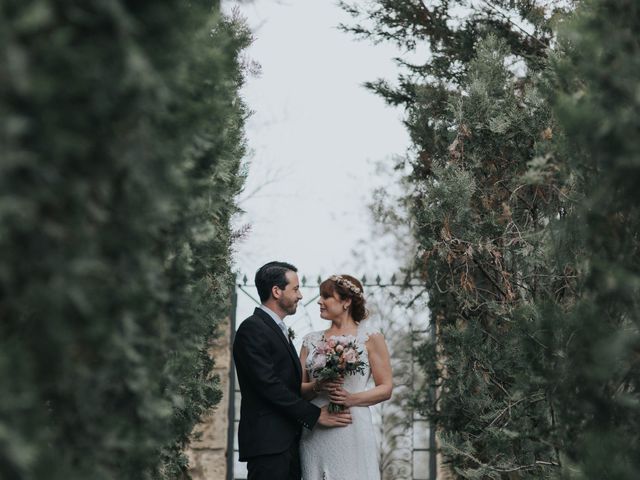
(276, 319)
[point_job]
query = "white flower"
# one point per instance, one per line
(319, 361)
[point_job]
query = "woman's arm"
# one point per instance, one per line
(380, 365)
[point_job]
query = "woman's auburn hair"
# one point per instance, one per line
(357, 308)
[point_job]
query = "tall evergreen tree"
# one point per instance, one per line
(122, 137)
(478, 123)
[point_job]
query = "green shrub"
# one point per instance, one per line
(121, 147)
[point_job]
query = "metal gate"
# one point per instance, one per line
(407, 443)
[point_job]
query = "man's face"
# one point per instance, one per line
(290, 296)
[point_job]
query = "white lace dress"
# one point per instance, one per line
(342, 453)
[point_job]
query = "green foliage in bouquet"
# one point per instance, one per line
(122, 137)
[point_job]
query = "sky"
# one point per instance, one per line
(315, 138)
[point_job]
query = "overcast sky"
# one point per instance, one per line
(315, 135)
(315, 138)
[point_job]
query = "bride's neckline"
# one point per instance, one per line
(355, 335)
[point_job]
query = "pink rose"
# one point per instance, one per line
(350, 356)
(339, 348)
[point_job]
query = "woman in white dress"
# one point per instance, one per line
(351, 452)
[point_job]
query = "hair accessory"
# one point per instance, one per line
(348, 284)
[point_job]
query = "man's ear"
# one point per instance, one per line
(276, 292)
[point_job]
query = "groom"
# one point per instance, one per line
(272, 411)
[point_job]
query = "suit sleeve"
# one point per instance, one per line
(251, 354)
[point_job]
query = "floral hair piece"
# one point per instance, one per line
(344, 282)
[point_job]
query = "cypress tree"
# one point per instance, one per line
(121, 146)
(479, 124)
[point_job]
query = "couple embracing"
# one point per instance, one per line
(287, 430)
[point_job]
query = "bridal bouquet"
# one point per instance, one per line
(334, 358)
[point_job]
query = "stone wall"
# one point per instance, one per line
(208, 450)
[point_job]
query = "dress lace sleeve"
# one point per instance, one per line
(309, 339)
(365, 331)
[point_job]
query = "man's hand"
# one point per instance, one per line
(341, 419)
(327, 385)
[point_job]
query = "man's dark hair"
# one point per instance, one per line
(270, 275)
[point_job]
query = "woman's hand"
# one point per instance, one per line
(340, 396)
(327, 385)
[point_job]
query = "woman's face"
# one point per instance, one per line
(331, 306)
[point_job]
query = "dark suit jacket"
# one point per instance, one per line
(272, 411)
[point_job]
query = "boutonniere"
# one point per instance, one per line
(291, 334)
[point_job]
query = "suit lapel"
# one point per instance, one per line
(272, 325)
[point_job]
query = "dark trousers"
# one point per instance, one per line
(279, 466)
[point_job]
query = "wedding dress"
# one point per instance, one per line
(341, 453)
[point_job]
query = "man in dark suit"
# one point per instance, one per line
(272, 411)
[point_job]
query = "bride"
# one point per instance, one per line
(350, 452)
